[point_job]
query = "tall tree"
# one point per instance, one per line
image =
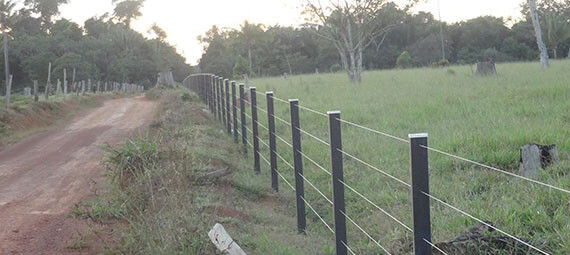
(538, 33)
(7, 19)
(557, 32)
(128, 10)
(47, 9)
(351, 26)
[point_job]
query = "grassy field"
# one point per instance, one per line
(483, 119)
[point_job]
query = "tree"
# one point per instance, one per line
(538, 33)
(128, 10)
(557, 31)
(351, 26)
(47, 9)
(7, 19)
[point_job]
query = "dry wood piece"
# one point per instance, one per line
(533, 157)
(223, 241)
(486, 68)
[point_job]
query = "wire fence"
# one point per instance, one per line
(224, 103)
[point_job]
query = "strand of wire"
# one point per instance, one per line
(283, 140)
(319, 216)
(247, 115)
(313, 136)
(484, 223)
(314, 187)
(286, 162)
(434, 246)
(374, 131)
(374, 168)
(280, 100)
(377, 207)
(496, 169)
(348, 248)
(278, 173)
(314, 163)
(366, 233)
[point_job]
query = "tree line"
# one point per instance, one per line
(104, 48)
(387, 31)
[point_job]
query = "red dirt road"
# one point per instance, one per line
(44, 175)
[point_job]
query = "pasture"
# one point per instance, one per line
(483, 119)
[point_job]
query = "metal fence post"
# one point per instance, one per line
(228, 109)
(337, 182)
(255, 130)
(298, 162)
(212, 94)
(272, 142)
(217, 97)
(242, 116)
(420, 185)
(220, 102)
(234, 112)
(223, 95)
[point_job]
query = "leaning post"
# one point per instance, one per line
(298, 163)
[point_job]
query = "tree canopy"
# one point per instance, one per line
(275, 50)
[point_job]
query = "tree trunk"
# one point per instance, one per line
(554, 53)
(538, 34)
(6, 63)
(249, 59)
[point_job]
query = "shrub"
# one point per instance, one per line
(443, 63)
(404, 60)
(335, 68)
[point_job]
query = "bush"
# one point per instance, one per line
(443, 63)
(336, 68)
(241, 68)
(404, 60)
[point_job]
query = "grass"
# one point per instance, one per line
(483, 119)
(169, 207)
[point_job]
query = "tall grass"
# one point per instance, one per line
(483, 119)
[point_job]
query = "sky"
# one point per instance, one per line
(185, 20)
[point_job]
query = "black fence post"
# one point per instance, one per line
(212, 95)
(420, 185)
(242, 116)
(337, 182)
(255, 130)
(223, 95)
(298, 162)
(272, 142)
(217, 89)
(234, 112)
(220, 99)
(228, 109)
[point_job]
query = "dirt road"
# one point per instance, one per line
(44, 175)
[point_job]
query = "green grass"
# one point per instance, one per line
(483, 119)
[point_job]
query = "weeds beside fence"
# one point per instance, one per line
(223, 103)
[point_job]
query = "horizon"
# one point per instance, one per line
(183, 36)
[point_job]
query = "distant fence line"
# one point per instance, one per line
(222, 96)
(78, 88)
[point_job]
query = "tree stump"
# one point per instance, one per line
(486, 68)
(533, 157)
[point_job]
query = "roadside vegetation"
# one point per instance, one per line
(163, 192)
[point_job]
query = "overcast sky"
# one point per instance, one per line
(185, 20)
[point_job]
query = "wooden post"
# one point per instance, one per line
(298, 162)
(337, 182)
(58, 88)
(8, 91)
(36, 97)
(98, 87)
(64, 84)
(420, 185)
(48, 84)
(83, 88)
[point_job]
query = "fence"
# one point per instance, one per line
(62, 88)
(224, 100)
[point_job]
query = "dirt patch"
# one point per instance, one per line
(228, 212)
